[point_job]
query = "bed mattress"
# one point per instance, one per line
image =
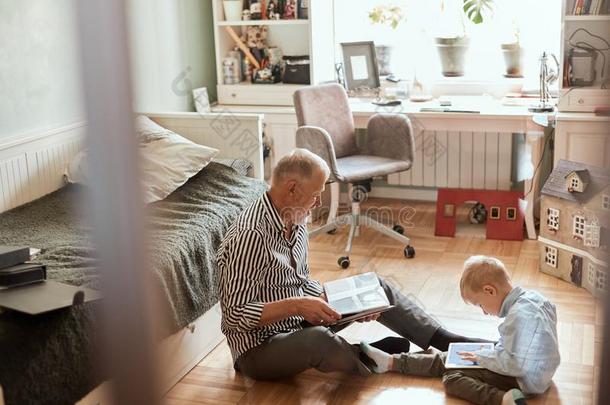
(50, 358)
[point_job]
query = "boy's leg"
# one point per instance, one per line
(421, 364)
(478, 386)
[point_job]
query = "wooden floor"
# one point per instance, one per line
(432, 279)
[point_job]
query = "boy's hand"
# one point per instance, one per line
(468, 356)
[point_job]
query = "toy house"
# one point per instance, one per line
(575, 204)
(504, 219)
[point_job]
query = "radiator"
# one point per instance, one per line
(480, 160)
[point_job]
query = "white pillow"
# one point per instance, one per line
(167, 160)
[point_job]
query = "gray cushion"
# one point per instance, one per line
(326, 106)
(362, 167)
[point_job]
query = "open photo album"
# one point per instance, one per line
(356, 297)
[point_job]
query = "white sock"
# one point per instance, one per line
(513, 397)
(383, 360)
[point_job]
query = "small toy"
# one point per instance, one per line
(504, 219)
(289, 10)
(272, 11)
(245, 15)
(574, 211)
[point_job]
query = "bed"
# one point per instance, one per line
(48, 359)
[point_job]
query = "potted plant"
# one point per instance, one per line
(513, 54)
(389, 15)
(452, 48)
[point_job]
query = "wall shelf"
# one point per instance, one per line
(263, 22)
(600, 17)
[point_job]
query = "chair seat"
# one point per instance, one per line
(362, 167)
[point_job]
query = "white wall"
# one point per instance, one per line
(39, 66)
(172, 52)
(172, 46)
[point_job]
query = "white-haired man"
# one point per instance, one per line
(274, 315)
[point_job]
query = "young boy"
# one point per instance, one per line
(522, 362)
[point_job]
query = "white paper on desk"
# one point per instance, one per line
(360, 70)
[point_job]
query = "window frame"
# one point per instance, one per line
(591, 274)
(578, 227)
(551, 256)
(606, 202)
(552, 218)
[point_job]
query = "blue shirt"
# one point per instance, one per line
(528, 348)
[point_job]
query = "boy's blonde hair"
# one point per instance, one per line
(481, 270)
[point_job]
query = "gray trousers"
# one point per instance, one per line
(479, 386)
(287, 354)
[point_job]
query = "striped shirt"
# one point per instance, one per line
(257, 265)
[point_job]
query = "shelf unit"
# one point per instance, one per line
(584, 99)
(313, 37)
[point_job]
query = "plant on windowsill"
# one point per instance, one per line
(390, 15)
(452, 48)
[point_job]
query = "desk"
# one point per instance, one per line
(478, 146)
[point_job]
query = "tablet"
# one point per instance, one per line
(454, 360)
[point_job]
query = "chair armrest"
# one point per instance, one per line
(390, 136)
(318, 141)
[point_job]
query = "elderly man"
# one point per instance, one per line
(274, 316)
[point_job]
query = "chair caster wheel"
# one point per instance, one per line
(398, 229)
(332, 231)
(343, 262)
(409, 252)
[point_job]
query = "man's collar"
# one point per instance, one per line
(509, 300)
(276, 219)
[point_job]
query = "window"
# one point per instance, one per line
(551, 256)
(511, 213)
(578, 229)
(591, 274)
(592, 235)
(552, 218)
(606, 202)
(413, 41)
(574, 183)
(449, 210)
(494, 213)
(601, 280)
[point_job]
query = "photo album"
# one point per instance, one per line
(356, 297)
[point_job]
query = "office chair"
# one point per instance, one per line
(326, 128)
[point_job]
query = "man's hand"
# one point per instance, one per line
(316, 311)
(469, 356)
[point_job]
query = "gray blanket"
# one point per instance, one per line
(50, 358)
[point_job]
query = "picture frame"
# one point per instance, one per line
(511, 213)
(201, 100)
(494, 212)
(360, 65)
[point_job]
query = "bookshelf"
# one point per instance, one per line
(295, 37)
(575, 96)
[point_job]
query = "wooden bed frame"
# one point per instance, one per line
(32, 165)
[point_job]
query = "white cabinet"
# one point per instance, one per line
(574, 96)
(296, 37)
(583, 138)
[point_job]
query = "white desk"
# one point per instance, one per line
(496, 120)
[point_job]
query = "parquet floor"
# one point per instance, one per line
(432, 279)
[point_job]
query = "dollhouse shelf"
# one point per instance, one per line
(602, 17)
(264, 22)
